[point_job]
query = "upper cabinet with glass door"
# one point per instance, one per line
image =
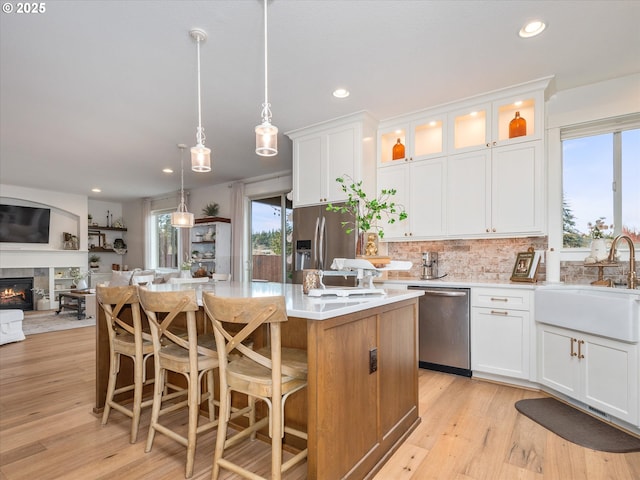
(413, 137)
(493, 122)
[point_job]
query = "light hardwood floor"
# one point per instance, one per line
(470, 429)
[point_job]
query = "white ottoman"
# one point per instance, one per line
(11, 326)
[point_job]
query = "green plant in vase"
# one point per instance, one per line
(367, 213)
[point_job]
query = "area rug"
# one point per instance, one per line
(50, 322)
(576, 426)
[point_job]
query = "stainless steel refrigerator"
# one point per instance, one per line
(318, 238)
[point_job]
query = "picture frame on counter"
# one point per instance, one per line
(526, 266)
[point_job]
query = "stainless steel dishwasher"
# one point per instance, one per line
(444, 329)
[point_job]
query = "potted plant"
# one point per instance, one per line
(598, 231)
(211, 209)
(185, 268)
(367, 212)
(94, 261)
(79, 279)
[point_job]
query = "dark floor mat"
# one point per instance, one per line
(576, 426)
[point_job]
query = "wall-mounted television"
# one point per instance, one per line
(20, 224)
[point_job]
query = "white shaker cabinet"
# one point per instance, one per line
(420, 189)
(326, 151)
(496, 191)
(500, 331)
(601, 372)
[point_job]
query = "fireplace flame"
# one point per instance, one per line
(10, 294)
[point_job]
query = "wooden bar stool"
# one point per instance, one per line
(128, 340)
(192, 356)
(271, 374)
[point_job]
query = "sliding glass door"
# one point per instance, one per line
(271, 234)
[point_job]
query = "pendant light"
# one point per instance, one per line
(200, 155)
(181, 218)
(266, 134)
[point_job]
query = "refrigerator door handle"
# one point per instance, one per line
(315, 244)
(323, 230)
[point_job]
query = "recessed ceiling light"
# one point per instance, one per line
(341, 93)
(96, 190)
(167, 170)
(531, 29)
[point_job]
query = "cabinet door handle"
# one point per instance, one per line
(580, 343)
(493, 230)
(488, 145)
(573, 354)
(495, 143)
(496, 299)
(496, 312)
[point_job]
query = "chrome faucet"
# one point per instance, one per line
(632, 278)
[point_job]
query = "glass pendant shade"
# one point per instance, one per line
(200, 158)
(182, 219)
(266, 140)
(266, 134)
(200, 155)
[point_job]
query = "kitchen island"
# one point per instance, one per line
(362, 396)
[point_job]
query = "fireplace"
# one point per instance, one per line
(16, 293)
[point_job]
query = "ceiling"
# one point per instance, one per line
(99, 93)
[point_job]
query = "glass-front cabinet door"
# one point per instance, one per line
(470, 128)
(417, 139)
(389, 139)
(513, 119)
(516, 119)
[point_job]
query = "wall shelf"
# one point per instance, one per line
(98, 227)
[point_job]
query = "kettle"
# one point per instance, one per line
(429, 268)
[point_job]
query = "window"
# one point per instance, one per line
(601, 181)
(164, 241)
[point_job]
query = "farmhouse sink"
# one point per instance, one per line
(609, 312)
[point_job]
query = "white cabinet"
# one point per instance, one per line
(211, 245)
(420, 189)
(484, 123)
(324, 152)
(496, 191)
(493, 182)
(598, 371)
(423, 136)
(500, 331)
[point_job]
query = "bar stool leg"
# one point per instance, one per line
(111, 386)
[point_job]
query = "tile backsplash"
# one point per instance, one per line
(490, 260)
(468, 260)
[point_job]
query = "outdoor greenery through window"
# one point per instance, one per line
(601, 183)
(165, 241)
(268, 243)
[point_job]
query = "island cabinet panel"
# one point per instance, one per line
(363, 389)
(397, 367)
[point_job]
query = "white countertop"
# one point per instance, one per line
(298, 304)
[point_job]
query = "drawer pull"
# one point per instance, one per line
(497, 299)
(573, 354)
(580, 343)
(495, 312)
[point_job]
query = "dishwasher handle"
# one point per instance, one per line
(441, 292)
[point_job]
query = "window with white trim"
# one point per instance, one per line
(601, 181)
